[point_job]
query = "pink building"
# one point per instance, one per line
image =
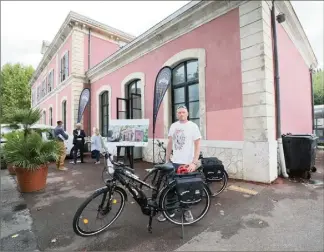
(222, 60)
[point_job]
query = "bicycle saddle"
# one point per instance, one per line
(165, 167)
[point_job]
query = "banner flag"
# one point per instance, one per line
(84, 99)
(162, 83)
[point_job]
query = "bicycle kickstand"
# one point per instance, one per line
(182, 227)
(149, 228)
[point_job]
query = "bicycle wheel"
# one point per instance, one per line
(102, 210)
(177, 209)
(218, 186)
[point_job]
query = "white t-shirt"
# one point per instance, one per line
(183, 137)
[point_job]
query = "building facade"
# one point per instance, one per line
(221, 53)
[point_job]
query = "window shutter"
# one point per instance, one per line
(67, 64)
(61, 69)
(52, 80)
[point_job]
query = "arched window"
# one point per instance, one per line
(50, 117)
(134, 97)
(104, 113)
(64, 114)
(185, 89)
(44, 117)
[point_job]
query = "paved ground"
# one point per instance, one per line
(16, 222)
(284, 216)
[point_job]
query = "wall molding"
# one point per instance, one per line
(200, 55)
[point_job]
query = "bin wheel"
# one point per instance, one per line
(313, 169)
(306, 175)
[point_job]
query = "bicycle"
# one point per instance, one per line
(150, 206)
(221, 176)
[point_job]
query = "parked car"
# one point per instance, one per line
(48, 134)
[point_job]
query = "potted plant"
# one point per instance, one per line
(26, 150)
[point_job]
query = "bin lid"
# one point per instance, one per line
(305, 136)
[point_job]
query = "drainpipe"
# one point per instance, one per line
(312, 97)
(277, 84)
(89, 54)
(89, 47)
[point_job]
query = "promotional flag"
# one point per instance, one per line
(84, 99)
(162, 83)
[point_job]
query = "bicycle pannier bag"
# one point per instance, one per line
(189, 188)
(213, 169)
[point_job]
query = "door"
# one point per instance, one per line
(136, 113)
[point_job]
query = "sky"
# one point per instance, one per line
(24, 25)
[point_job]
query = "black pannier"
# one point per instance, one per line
(213, 168)
(189, 187)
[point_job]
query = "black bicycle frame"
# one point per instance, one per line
(137, 193)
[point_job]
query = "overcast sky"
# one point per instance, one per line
(25, 24)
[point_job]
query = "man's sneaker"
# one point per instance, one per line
(97, 162)
(63, 169)
(188, 216)
(161, 218)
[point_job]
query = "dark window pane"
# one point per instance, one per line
(138, 88)
(136, 102)
(194, 110)
(122, 115)
(193, 92)
(192, 70)
(196, 121)
(104, 98)
(179, 95)
(178, 75)
(132, 89)
(137, 114)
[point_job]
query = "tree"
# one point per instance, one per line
(15, 90)
(318, 87)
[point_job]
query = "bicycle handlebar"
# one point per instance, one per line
(107, 155)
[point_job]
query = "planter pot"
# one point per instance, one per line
(11, 169)
(32, 181)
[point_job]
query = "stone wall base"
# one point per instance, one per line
(260, 164)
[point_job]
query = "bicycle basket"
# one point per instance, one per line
(213, 169)
(189, 188)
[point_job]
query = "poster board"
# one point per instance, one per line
(128, 132)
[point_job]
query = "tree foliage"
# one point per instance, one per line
(26, 148)
(15, 91)
(318, 87)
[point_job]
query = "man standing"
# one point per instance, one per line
(60, 136)
(184, 139)
(78, 142)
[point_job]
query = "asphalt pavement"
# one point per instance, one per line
(245, 217)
